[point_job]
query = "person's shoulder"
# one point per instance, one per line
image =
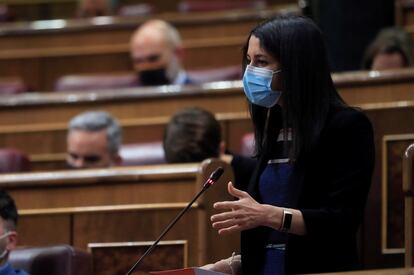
(7, 269)
(346, 116)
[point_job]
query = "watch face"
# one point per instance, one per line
(287, 220)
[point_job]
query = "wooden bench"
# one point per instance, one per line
(143, 113)
(42, 51)
(121, 205)
(382, 242)
(382, 233)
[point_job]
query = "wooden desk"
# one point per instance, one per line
(118, 258)
(144, 112)
(121, 205)
(382, 232)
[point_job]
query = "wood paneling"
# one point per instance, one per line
(393, 207)
(388, 119)
(404, 13)
(117, 258)
(144, 112)
(121, 205)
(408, 204)
(392, 118)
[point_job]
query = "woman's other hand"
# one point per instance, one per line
(231, 265)
(245, 213)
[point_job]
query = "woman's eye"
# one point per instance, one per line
(262, 62)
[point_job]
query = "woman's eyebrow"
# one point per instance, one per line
(259, 56)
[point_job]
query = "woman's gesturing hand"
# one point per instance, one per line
(245, 213)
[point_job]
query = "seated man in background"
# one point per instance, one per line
(93, 141)
(194, 134)
(392, 48)
(8, 235)
(92, 8)
(157, 54)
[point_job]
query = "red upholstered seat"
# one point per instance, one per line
(142, 153)
(12, 160)
(216, 74)
(9, 86)
(247, 145)
(214, 5)
(143, 9)
(52, 260)
(6, 14)
(96, 82)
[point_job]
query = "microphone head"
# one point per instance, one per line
(216, 174)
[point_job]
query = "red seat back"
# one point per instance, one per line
(95, 82)
(214, 5)
(216, 74)
(143, 9)
(10, 86)
(12, 160)
(142, 153)
(52, 260)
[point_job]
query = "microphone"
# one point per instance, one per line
(210, 181)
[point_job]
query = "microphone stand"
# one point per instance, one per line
(212, 179)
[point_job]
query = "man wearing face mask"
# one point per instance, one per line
(8, 235)
(157, 53)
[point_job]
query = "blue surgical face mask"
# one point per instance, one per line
(257, 83)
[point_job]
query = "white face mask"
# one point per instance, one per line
(5, 250)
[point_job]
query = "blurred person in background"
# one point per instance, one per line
(8, 234)
(93, 141)
(194, 134)
(392, 48)
(157, 54)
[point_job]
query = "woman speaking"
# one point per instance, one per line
(300, 211)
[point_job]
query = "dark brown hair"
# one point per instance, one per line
(192, 135)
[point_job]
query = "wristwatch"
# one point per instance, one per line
(286, 220)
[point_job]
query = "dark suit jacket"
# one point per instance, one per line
(331, 186)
